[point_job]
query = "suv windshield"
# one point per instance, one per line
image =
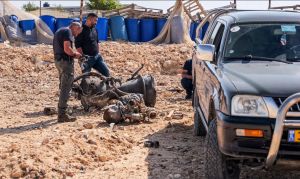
(273, 41)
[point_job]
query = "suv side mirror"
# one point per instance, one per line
(205, 52)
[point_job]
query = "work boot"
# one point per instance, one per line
(64, 117)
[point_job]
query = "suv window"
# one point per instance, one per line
(216, 38)
(278, 40)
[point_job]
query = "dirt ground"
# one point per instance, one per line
(33, 145)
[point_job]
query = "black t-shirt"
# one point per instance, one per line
(60, 36)
(88, 41)
(188, 66)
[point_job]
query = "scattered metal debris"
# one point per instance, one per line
(151, 144)
(97, 93)
(50, 110)
(130, 107)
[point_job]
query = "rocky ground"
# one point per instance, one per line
(33, 145)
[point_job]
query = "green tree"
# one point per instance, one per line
(30, 6)
(103, 4)
(58, 7)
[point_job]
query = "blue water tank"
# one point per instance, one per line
(192, 29)
(84, 20)
(160, 25)
(50, 21)
(148, 30)
(27, 27)
(0, 33)
(133, 29)
(62, 22)
(195, 31)
(14, 18)
(76, 20)
(102, 28)
(117, 28)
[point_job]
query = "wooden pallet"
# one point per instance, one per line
(134, 11)
(194, 5)
(189, 7)
(296, 7)
(198, 17)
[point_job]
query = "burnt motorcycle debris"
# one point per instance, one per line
(130, 107)
(97, 92)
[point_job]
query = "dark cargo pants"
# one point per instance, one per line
(66, 78)
(187, 84)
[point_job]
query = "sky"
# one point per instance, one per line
(208, 4)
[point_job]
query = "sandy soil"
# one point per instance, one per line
(33, 145)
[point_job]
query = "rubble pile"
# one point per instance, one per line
(167, 59)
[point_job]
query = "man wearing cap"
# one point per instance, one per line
(87, 43)
(64, 62)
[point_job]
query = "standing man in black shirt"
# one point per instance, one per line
(64, 62)
(87, 43)
(187, 77)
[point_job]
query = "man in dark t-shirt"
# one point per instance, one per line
(87, 43)
(64, 62)
(187, 77)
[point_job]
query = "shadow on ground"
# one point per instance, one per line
(181, 153)
(30, 127)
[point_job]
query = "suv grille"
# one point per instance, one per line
(294, 108)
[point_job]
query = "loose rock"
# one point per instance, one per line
(88, 126)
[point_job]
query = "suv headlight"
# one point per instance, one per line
(248, 106)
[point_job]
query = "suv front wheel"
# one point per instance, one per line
(216, 164)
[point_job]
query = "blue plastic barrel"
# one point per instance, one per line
(192, 29)
(84, 20)
(27, 27)
(133, 29)
(14, 18)
(195, 31)
(102, 28)
(148, 30)
(117, 28)
(50, 21)
(76, 20)
(62, 22)
(0, 33)
(160, 25)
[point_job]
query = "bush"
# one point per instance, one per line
(103, 4)
(30, 6)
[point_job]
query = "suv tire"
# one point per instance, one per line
(199, 128)
(216, 165)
